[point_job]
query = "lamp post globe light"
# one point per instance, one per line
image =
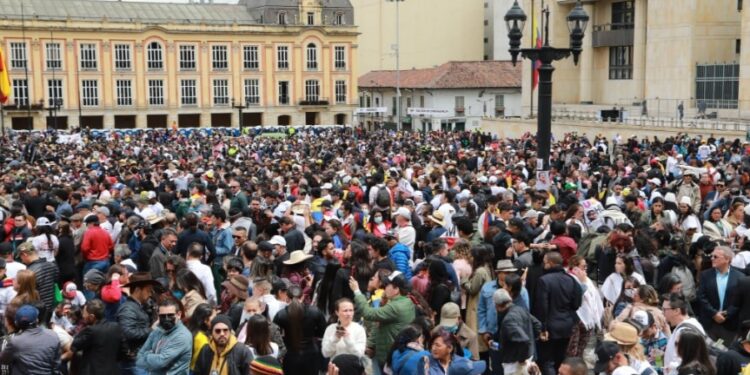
(515, 20)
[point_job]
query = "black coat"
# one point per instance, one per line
(517, 333)
(708, 298)
(102, 345)
(135, 324)
(237, 362)
(743, 299)
(558, 297)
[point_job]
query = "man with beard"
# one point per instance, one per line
(223, 351)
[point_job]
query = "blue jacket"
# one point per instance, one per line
(405, 362)
(458, 366)
(486, 313)
(400, 255)
(167, 353)
(223, 243)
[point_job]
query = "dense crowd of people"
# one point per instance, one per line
(342, 251)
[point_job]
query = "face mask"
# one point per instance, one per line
(167, 323)
(378, 220)
(629, 293)
(365, 212)
(339, 213)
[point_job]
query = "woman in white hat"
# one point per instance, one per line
(686, 220)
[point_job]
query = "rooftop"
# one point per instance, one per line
(451, 75)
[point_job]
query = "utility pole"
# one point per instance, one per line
(398, 67)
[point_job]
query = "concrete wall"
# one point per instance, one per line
(432, 32)
(516, 128)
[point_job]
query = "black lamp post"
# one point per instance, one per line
(239, 107)
(577, 21)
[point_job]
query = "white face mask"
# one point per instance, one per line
(629, 293)
(378, 219)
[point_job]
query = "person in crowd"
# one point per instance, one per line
(31, 349)
(481, 256)
(612, 360)
(717, 296)
(199, 325)
(516, 335)
(233, 298)
(46, 275)
(590, 313)
(612, 287)
(450, 319)
(344, 336)
(302, 327)
(391, 318)
(258, 337)
(675, 309)
(133, 318)
(169, 347)
(735, 358)
(223, 354)
(96, 245)
(445, 356)
(190, 291)
(407, 351)
(100, 342)
(558, 297)
(694, 353)
(194, 254)
(625, 334)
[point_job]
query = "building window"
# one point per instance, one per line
(90, 92)
(282, 55)
(283, 92)
(54, 58)
(339, 53)
(21, 92)
(312, 57)
(738, 46)
(421, 101)
(250, 57)
(623, 15)
(310, 18)
(393, 108)
(312, 90)
(252, 92)
(155, 92)
(154, 59)
(219, 59)
(499, 105)
(459, 106)
(54, 92)
(88, 56)
(341, 92)
(189, 92)
(122, 57)
(621, 62)
(221, 92)
(338, 18)
(124, 88)
(282, 18)
(717, 85)
(369, 101)
(187, 58)
(18, 55)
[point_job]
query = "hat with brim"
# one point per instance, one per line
(140, 279)
(438, 218)
(505, 265)
(622, 333)
(296, 257)
(237, 283)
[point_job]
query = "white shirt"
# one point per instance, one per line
(354, 343)
(12, 268)
(671, 359)
(273, 305)
(407, 236)
(203, 273)
(42, 247)
(613, 285)
(448, 211)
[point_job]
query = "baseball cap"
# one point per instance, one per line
(26, 316)
(397, 279)
(277, 240)
(449, 314)
(403, 212)
(604, 353)
(265, 246)
(69, 290)
(43, 222)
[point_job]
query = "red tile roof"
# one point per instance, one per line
(451, 75)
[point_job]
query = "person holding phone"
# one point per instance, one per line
(345, 336)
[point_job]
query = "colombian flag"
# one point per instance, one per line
(4, 80)
(537, 37)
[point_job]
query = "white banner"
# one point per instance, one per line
(432, 112)
(370, 110)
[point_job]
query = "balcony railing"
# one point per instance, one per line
(314, 101)
(613, 34)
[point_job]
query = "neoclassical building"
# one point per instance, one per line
(104, 64)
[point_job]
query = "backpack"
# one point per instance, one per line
(383, 198)
(587, 245)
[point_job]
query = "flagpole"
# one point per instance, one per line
(26, 69)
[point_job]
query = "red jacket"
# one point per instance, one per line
(96, 244)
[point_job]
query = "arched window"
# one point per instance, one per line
(312, 57)
(154, 56)
(282, 18)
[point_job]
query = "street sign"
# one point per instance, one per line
(431, 112)
(370, 110)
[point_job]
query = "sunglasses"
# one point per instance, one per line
(236, 237)
(221, 330)
(166, 316)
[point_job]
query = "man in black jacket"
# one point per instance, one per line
(233, 355)
(518, 330)
(133, 318)
(100, 342)
(558, 297)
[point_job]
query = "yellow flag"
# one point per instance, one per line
(4, 80)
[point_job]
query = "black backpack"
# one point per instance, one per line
(383, 198)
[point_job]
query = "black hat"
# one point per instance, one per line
(265, 246)
(604, 353)
(91, 219)
(348, 364)
(221, 318)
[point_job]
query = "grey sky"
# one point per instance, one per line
(181, 1)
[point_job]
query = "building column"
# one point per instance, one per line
(744, 89)
(586, 61)
(639, 49)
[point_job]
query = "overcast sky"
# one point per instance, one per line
(181, 1)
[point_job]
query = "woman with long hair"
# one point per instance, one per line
(482, 272)
(715, 226)
(65, 257)
(462, 266)
(736, 215)
(590, 312)
(303, 326)
(46, 242)
(358, 265)
(656, 214)
(258, 337)
(692, 349)
(407, 351)
(378, 223)
(25, 286)
(628, 291)
(623, 268)
(190, 291)
(345, 336)
(646, 299)
(574, 216)
(686, 218)
(440, 287)
(199, 325)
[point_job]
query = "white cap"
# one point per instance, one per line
(278, 240)
(611, 201)
(151, 194)
(42, 222)
(403, 212)
(686, 200)
(670, 197)
(326, 186)
(655, 181)
(482, 179)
